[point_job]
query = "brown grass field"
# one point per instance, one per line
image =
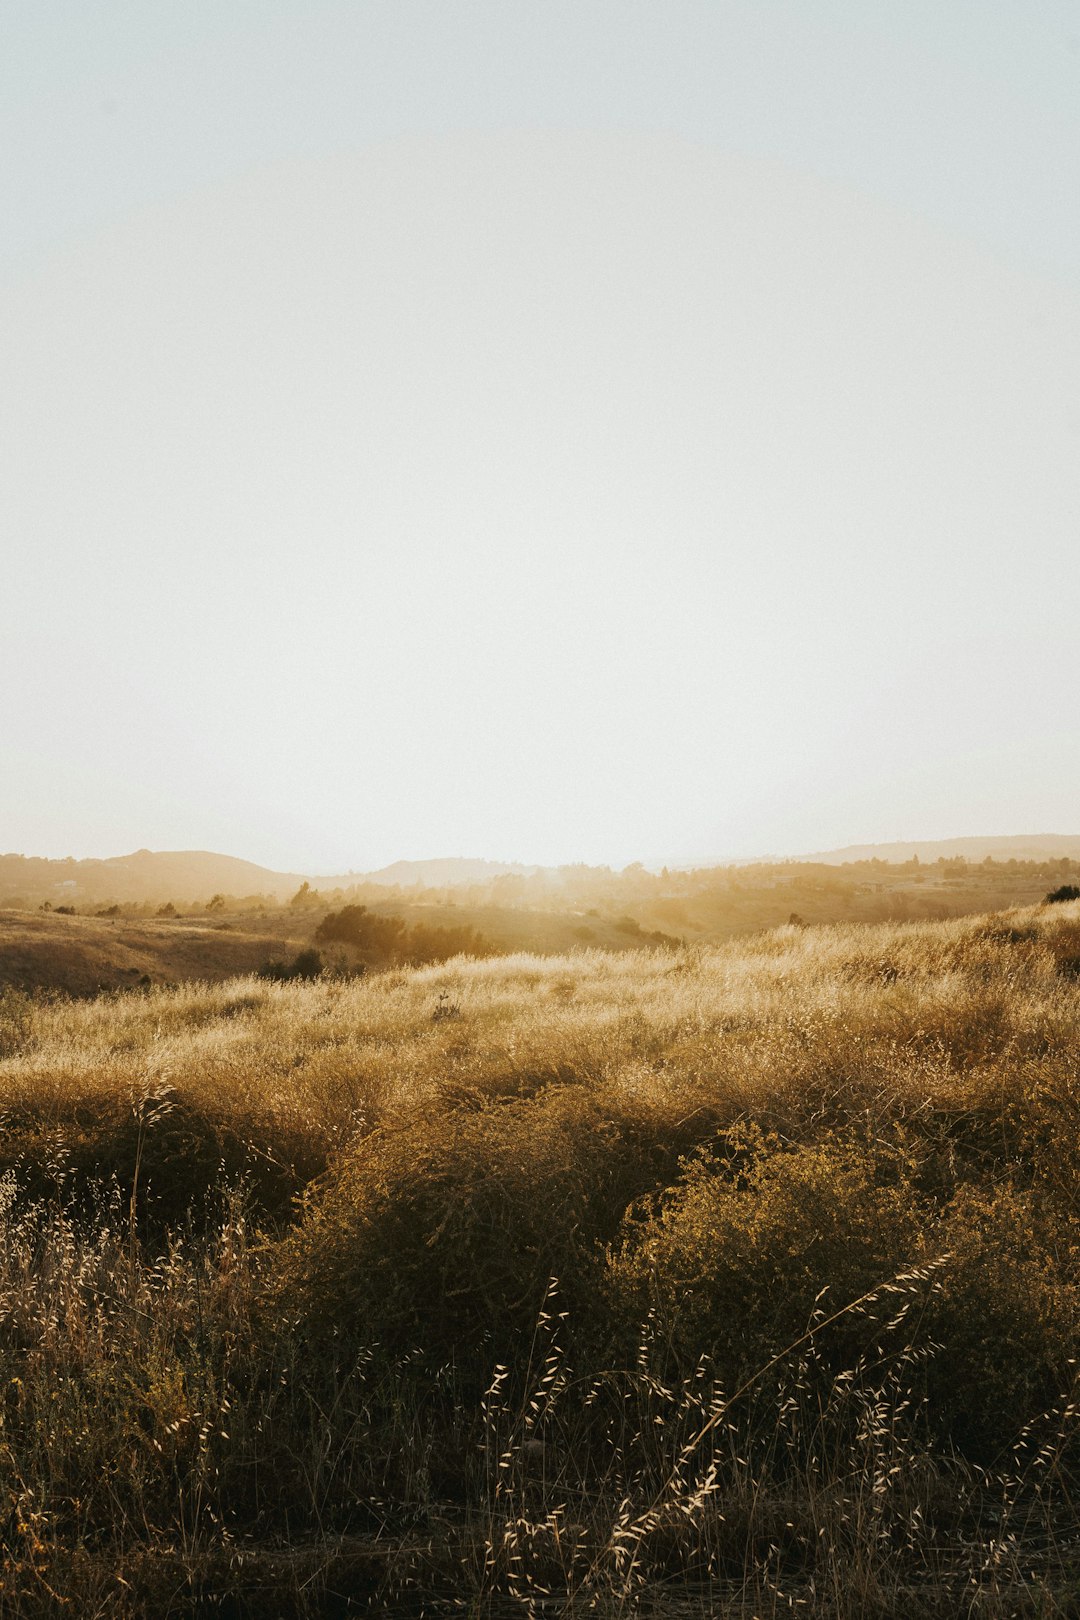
(83, 955)
(739, 1280)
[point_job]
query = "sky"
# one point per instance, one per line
(546, 431)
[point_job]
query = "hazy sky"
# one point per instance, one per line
(549, 431)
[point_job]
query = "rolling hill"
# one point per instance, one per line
(1008, 847)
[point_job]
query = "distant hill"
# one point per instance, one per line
(440, 874)
(196, 874)
(146, 875)
(1010, 847)
(150, 877)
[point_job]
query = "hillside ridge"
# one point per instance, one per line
(1008, 846)
(147, 875)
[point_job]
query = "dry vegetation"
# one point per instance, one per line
(83, 955)
(120, 923)
(723, 1280)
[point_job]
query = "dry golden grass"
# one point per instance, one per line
(84, 955)
(277, 1264)
(895, 1018)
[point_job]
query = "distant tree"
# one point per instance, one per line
(307, 964)
(216, 903)
(425, 943)
(305, 895)
(167, 910)
(383, 938)
(366, 930)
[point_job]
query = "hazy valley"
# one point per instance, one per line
(163, 918)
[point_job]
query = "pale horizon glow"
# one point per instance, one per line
(509, 463)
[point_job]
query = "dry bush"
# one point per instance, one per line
(443, 1230)
(737, 1258)
(1006, 1317)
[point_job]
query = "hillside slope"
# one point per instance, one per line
(144, 876)
(82, 955)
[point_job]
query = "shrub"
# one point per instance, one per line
(444, 1230)
(1005, 1321)
(364, 929)
(1067, 891)
(169, 1155)
(640, 936)
(16, 1021)
(734, 1260)
(389, 939)
(425, 943)
(306, 964)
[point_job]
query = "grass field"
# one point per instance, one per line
(122, 947)
(83, 955)
(722, 1280)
